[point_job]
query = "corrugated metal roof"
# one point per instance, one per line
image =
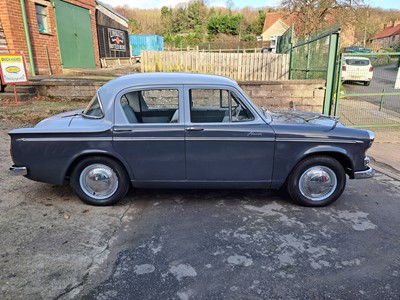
(111, 10)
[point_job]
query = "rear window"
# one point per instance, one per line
(93, 110)
(357, 62)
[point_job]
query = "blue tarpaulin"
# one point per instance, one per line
(145, 42)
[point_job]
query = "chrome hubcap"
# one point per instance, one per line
(318, 183)
(98, 181)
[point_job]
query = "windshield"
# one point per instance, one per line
(357, 62)
(93, 110)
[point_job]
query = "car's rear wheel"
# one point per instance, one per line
(99, 181)
(316, 181)
(367, 83)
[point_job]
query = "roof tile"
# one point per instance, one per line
(389, 31)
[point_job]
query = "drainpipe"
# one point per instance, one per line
(28, 39)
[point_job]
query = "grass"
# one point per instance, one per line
(38, 109)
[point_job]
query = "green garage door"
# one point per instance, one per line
(74, 35)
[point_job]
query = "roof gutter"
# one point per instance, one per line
(28, 39)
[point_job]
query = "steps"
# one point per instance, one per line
(24, 92)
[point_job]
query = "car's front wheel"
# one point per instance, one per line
(99, 181)
(316, 181)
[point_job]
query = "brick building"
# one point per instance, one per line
(61, 34)
(389, 36)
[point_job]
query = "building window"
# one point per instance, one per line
(41, 15)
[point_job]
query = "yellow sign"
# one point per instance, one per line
(12, 69)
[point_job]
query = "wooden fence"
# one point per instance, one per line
(239, 66)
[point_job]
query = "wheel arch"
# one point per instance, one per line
(339, 154)
(79, 157)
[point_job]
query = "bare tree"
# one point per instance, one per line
(313, 15)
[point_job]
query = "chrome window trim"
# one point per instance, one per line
(101, 108)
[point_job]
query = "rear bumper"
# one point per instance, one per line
(364, 174)
(18, 171)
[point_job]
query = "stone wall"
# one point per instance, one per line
(307, 95)
(67, 88)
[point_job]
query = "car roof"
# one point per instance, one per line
(141, 79)
(109, 91)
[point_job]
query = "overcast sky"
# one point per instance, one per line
(388, 4)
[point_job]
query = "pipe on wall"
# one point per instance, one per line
(28, 39)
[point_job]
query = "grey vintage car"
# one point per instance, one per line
(174, 130)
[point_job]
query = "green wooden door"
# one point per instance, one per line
(75, 38)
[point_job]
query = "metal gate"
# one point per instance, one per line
(74, 31)
(315, 58)
(369, 89)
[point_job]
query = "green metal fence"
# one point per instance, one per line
(284, 42)
(368, 92)
(316, 58)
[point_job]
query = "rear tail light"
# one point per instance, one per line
(343, 68)
(371, 69)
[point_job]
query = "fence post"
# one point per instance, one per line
(382, 100)
(308, 60)
(338, 86)
(331, 72)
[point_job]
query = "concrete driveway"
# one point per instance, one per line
(188, 244)
(257, 245)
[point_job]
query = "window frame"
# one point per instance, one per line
(45, 17)
(241, 98)
(120, 118)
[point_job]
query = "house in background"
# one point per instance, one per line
(275, 25)
(53, 36)
(389, 36)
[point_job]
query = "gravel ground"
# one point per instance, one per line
(51, 243)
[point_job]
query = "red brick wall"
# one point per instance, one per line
(11, 19)
(40, 41)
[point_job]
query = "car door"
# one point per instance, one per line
(226, 139)
(149, 133)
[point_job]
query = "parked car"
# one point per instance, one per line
(357, 69)
(176, 130)
(357, 49)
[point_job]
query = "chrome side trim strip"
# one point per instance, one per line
(318, 140)
(232, 139)
(65, 139)
(119, 139)
(140, 139)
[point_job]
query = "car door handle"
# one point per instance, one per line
(122, 130)
(194, 129)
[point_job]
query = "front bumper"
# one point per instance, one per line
(368, 173)
(18, 171)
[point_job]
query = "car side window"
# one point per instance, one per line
(217, 106)
(151, 106)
